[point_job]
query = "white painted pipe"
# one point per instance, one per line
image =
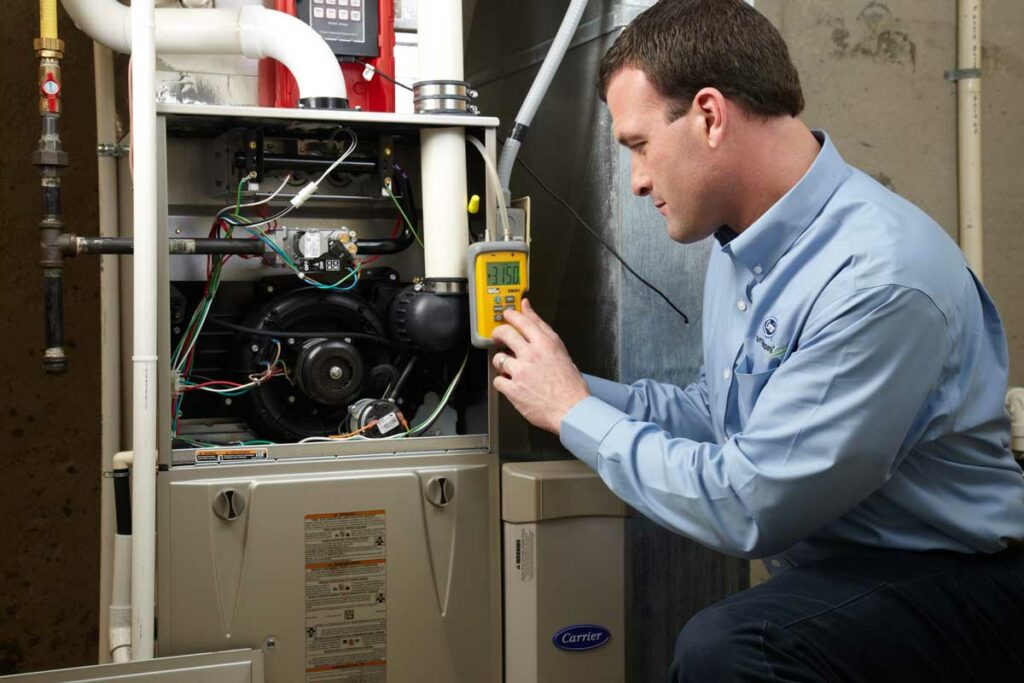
(110, 328)
(969, 135)
(443, 152)
(251, 30)
(144, 314)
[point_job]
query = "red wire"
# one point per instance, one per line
(394, 233)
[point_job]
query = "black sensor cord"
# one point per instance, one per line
(596, 236)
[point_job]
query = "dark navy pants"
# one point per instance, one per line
(866, 616)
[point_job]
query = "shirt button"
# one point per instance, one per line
(726, 374)
(741, 304)
(758, 269)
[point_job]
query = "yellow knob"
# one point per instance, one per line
(474, 204)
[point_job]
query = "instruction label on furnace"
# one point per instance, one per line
(346, 590)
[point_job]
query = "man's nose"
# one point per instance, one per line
(640, 183)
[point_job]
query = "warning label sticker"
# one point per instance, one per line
(346, 592)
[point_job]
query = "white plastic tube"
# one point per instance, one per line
(110, 328)
(524, 118)
(443, 151)
(144, 352)
(969, 135)
(119, 613)
(251, 30)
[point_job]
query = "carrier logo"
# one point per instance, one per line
(771, 325)
(581, 637)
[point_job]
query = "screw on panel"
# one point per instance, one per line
(270, 642)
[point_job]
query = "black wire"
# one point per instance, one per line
(383, 75)
(597, 237)
(277, 334)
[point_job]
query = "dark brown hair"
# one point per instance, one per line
(685, 45)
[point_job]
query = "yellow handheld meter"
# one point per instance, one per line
(498, 279)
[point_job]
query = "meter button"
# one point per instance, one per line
(356, 15)
(343, 14)
(332, 13)
(510, 299)
(318, 12)
(498, 317)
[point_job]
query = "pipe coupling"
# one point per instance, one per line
(444, 97)
(49, 47)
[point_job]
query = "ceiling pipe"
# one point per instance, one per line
(251, 31)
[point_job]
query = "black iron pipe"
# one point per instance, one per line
(72, 245)
(51, 159)
(123, 501)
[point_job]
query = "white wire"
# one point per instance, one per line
(270, 197)
(496, 182)
(348, 152)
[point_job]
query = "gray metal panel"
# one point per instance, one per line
(235, 666)
(242, 581)
(612, 324)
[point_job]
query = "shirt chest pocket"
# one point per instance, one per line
(745, 390)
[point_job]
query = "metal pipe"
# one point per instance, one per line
(51, 159)
(73, 245)
(968, 88)
(144, 315)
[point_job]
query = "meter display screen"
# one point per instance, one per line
(503, 273)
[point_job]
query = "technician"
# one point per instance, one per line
(848, 425)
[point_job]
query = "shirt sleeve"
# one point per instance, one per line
(680, 412)
(828, 429)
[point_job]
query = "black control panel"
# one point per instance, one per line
(349, 26)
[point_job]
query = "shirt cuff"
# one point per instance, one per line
(612, 393)
(586, 425)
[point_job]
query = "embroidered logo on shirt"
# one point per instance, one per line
(768, 328)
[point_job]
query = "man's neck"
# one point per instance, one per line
(776, 155)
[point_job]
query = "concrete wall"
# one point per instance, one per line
(872, 75)
(49, 426)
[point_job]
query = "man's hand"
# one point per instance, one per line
(536, 374)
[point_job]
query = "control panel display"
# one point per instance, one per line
(348, 26)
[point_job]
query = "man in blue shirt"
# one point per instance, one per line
(848, 425)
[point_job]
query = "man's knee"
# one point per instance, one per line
(718, 644)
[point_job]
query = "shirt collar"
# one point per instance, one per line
(761, 245)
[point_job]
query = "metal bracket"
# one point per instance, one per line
(105, 149)
(962, 74)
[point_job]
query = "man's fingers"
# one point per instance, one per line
(530, 313)
(502, 384)
(524, 324)
(510, 338)
(501, 362)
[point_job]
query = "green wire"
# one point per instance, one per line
(408, 222)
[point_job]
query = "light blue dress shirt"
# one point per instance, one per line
(852, 391)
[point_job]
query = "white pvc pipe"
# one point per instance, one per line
(969, 134)
(119, 611)
(545, 75)
(251, 30)
(144, 352)
(110, 329)
(443, 151)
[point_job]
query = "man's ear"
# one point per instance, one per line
(709, 105)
